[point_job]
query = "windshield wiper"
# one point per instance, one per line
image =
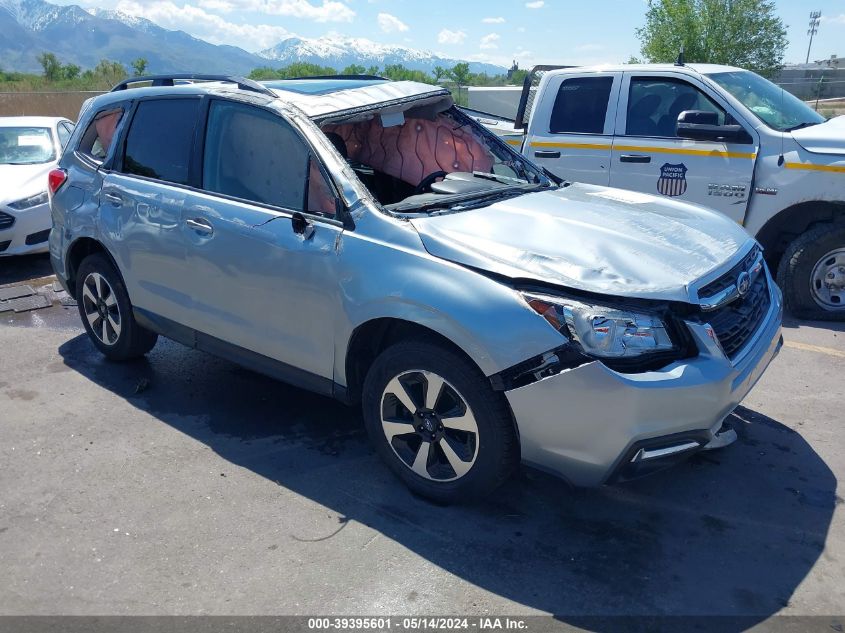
(460, 203)
(801, 125)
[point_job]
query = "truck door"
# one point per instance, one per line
(648, 156)
(571, 128)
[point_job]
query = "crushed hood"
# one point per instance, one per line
(590, 238)
(824, 138)
(22, 181)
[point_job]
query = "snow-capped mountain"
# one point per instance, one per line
(339, 52)
(30, 27)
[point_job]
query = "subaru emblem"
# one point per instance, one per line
(743, 283)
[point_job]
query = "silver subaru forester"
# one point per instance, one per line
(369, 241)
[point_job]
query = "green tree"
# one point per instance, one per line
(745, 33)
(51, 65)
(461, 76)
(373, 70)
(354, 69)
(70, 72)
(108, 73)
(439, 73)
(139, 66)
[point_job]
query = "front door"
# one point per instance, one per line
(571, 135)
(648, 156)
(261, 239)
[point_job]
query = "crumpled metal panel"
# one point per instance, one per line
(341, 100)
(824, 138)
(589, 238)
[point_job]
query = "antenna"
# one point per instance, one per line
(815, 18)
(680, 60)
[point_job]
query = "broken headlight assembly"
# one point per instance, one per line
(622, 338)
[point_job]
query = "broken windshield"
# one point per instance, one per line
(423, 158)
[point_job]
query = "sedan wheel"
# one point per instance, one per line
(429, 425)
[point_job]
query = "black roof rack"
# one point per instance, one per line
(168, 80)
(342, 77)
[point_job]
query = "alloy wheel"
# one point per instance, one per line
(429, 425)
(827, 283)
(102, 311)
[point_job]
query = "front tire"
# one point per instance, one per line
(437, 423)
(106, 311)
(812, 274)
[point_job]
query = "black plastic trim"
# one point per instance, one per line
(625, 470)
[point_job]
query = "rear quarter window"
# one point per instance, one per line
(160, 138)
(581, 106)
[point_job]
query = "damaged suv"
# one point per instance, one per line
(366, 240)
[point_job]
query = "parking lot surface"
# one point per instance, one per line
(183, 484)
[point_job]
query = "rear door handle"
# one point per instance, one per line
(541, 153)
(113, 198)
(200, 225)
(634, 158)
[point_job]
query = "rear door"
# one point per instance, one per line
(261, 237)
(141, 205)
(648, 156)
(571, 129)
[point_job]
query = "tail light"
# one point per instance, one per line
(56, 179)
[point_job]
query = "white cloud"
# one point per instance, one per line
(390, 23)
(328, 11)
(499, 20)
(536, 4)
(490, 40)
(208, 26)
(451, 37)
(835, 19)
(221, 6)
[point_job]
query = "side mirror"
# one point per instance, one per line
(699, 125)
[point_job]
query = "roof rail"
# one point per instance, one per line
(341, 77)
(168, 80)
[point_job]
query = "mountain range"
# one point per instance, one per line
(29, 27)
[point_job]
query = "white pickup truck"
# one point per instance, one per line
(719, 136)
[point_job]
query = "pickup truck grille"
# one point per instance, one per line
(6, 220)
(735, 323)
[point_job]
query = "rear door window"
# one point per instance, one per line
(256, 155)
(581, 106)
(160, 138)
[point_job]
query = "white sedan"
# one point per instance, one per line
(29, 148)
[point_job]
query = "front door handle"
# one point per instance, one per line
(634, 158)
(541, 153)
(115, 199)
(200, 225)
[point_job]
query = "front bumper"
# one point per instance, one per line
(588, 424)
(28, 233)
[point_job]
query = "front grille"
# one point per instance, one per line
(729, 278)
(6, 220)
(735, 323)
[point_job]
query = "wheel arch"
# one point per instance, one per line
(792, 221)
(77, 252)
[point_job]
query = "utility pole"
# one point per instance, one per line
(815, 18)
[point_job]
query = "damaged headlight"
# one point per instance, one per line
(602, 331)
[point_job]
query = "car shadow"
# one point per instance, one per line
(793, 323)
(18, 268)
(729, 533)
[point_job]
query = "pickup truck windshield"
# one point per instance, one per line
(773, 105)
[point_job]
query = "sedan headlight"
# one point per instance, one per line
(28, 203)
(602, 331)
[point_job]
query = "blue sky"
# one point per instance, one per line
(530, 31)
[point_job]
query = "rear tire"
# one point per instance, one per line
(106, 311)
(812, 274)
(459, 442)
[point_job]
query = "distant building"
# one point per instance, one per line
(824, 79)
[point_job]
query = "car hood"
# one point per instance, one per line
(22, 181)
(589, 238)
(824, 138)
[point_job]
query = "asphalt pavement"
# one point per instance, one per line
(184, 484)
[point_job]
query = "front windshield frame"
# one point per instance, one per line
(7, 155)
(775, 107)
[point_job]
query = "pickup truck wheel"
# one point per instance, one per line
(437, 423)
(812, 274)
(107, 313)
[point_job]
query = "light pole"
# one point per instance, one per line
(815, 18)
